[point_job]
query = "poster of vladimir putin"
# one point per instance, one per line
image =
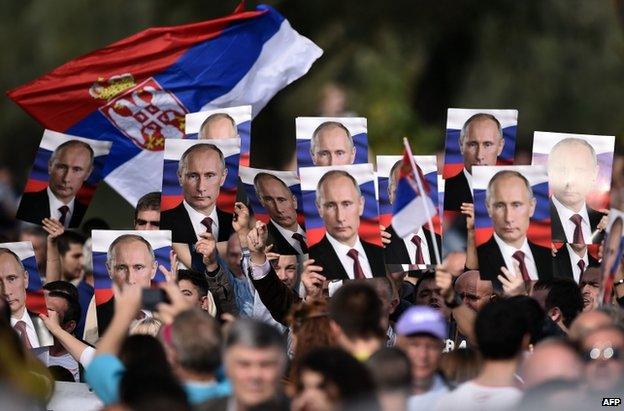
(512, 222)
(222, 123)
(65, 174)
(275, 199)
(475, 138)
(199, 188)
(342, 221)
(579, 175)
(331, 141)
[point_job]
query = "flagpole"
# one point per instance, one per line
(422, 196)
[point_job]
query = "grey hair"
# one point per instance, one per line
(72, 143)
(338, 173)
(253, 333)
(574, 140)
(507, 173)
(326, 125)
(217, 116)
(4, 250)
(475, 117)
(110, 255)
(263, 175)
(199, 147)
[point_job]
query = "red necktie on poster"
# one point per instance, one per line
(63, 210)
(358, 273)
(207, 222)
(418, 258)
(519, 256)
(302, 243)
(20, 327)
(581, 265)
(578, 231)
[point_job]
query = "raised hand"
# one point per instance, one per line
(177, 303)
(385, 236)
(257, 238)
(312, 280)
(444, 281)
(51, 321)
(53, 227)
(207, 246)
(240, 221)
(512, 282)
(173, 274)
(467, 209)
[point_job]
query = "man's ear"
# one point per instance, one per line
(26, 278)
(361, 206)
(154, 269)
(223, 175)
(204, 302)
(461, 146)
(533, 204)
(70, 326)
(555, 314)
(179, 178)
(501, 146)
(489, 209)
(294, 198)
(353, 152)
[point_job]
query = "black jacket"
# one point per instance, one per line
(562, 266)
(324, 255)
(396, 252)
(178, 221)
(456, 192)
(35, 206)
(280, 244)
(558, 234)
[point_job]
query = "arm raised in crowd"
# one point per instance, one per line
(464, 316)
(53, 259)
(80, 351)
(472, 261)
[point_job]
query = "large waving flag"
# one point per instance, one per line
(413, 206)
(137, 91)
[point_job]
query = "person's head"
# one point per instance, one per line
(564, 302)
(421, 332)
(332, 145)
(67, 308)
(69, 166)
(275, 196)
(388, 294)
(502, 330)
(572, 171)
(147, 212)
(13, 281)
(588, 321)
(255, 360)
(551, 359)
(510, 204)
(534, 314)
(481, 141)
(611, 246)
(540, 291)
(426, 292)
(131, 260)
(329, 375)
(146, 326)
(340, 204)
(201, 173)
(193, 344)
(61, 286)
(589, 284)
(286, 268)
(391, 370)
(356, 312)
(233, 254)
(194, 288)
(72, 257)
(474, 291)
(218, 126)
(603, 350)
(37, 237)
(461, 365)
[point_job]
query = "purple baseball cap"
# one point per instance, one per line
(422, 319)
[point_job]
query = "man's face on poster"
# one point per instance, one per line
(68, 170)
(340, 205)
(279, 202)
(572, 174)
(510, 206)
(332, 147)
(218, 128)
(132, 263)
(612, 246)
(482, 144)
(13, 283)
(201, 179)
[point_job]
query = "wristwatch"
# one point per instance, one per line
(455, 302)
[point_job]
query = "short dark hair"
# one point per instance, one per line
(391, 369)
(500, 328)
(426, 276)
(65, 240)
(264, 175)
(196, 338)
(62, 287)
(73, 307)
(357, 309)
(534, 314)
(196, 278)
(566, 295)
(150, 201)
(254, 334)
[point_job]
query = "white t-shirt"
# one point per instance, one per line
(470, 396)
(429, 399)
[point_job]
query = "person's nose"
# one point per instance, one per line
(201, 184)
(340, 214)
(65, 175)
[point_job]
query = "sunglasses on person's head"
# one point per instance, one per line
(605, 353)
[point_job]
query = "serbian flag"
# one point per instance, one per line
(137, 91)
(412, 207)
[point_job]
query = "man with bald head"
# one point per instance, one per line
(341, 252)
(572, 174)
(510, 204)
(68, 168)
(218, 126)
(201, 173)
(480, 143)
(13, 285)
(130, 261)
(586, 322)
(603, 350)
(474, 291)
(285, 233)
(551, 360)
(332, 145)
